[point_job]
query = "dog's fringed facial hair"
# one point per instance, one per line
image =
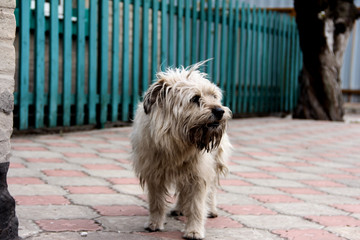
(206, 137)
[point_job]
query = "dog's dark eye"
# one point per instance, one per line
(195, 99)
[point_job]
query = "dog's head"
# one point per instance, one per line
(188, 106)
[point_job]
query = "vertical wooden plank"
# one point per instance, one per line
(187, 33)
(283, 68)
(288, 64)
(54, 63)
(104, 46)
(194, 32)
(145, 45)
(67, 63)
(180, 33)
(125, 64)
(276, 53)
(80, 63)
(171, 50)
(136, 60)
(209, 35)
(92, 71)
(216, 42)
(115, 62)
(264, 73)
(223, 52)
(242, 54)
(253, 80)
(154, 41)
(293, 62)
(235, 69)
(271, 63)
(24, 64)
(247, 61)
(39, 63)
(164, 36)
(258, 67)
(201, 45)
(230, 54)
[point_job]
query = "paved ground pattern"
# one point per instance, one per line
(289, 179)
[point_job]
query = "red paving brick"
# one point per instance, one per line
(80, 155)
(352, 170)
(307, 234)
(102, 167)
(320, 183)
(64, 225)
(24, 180)
(124, 180)
(110, 150)
(63, 173)
(233, 182)
(45, 160)
(89, 190)
(352, 208)
(333, 221)
(254, 175)
(123, 210)
(222, 222)
(24, 148)
(16, 165)
(41, 200)
(247, 210)
(275, 198)
(163, 235)
(300, 191)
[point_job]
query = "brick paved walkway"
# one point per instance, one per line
(289, 179)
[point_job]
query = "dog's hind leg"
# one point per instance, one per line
(195, 210)
(157, 205)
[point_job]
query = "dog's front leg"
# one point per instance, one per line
(157, 205)
(195, 211)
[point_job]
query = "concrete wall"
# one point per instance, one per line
(8, 220)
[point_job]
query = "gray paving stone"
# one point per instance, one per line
(235, 199)
(343, 191)
(76, 181)
(111, 173)
(298, 176)
(240, 234)
(104, 199)
(27, 227)
(249, 190)
(35, 189)
(55, 212)
(326, 199)
(275, 183)
(272, 222)
(352, 233)
(304, 209)
(129, 189)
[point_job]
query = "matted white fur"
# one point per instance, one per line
(179, 140)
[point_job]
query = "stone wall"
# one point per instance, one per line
(8, 219)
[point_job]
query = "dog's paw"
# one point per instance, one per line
(153, 227)
(212, 215)
(176, 213)
(194, 235)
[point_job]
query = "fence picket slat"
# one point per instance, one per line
(264, 66)
(194, 32)
(125, 63)
(104, 46)
(54, 63)
(241, 65)
(253, 57)
(145, 45)
(234, 63)
(39, 64)
(180, 33)
(258, 67)
(209, 35)
(223, 48)
(164, 36)
(228, 78)
(288, 66)
(154, 41)
(115, 61)
(171, 44)
(216, 41)
(187, 33)
(67, 65)
(80, 63)
(92, 68)
(136, 60)
(201, 45)
(24, 61)
(247, 62)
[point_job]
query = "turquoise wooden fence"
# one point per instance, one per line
(90, 63)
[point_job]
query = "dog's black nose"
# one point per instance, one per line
(218, 112)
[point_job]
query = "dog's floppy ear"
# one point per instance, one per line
(155, 94)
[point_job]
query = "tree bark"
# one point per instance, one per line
(324, 28)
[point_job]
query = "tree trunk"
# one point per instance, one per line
(324, 28)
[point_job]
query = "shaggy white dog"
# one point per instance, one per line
(179, 140)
